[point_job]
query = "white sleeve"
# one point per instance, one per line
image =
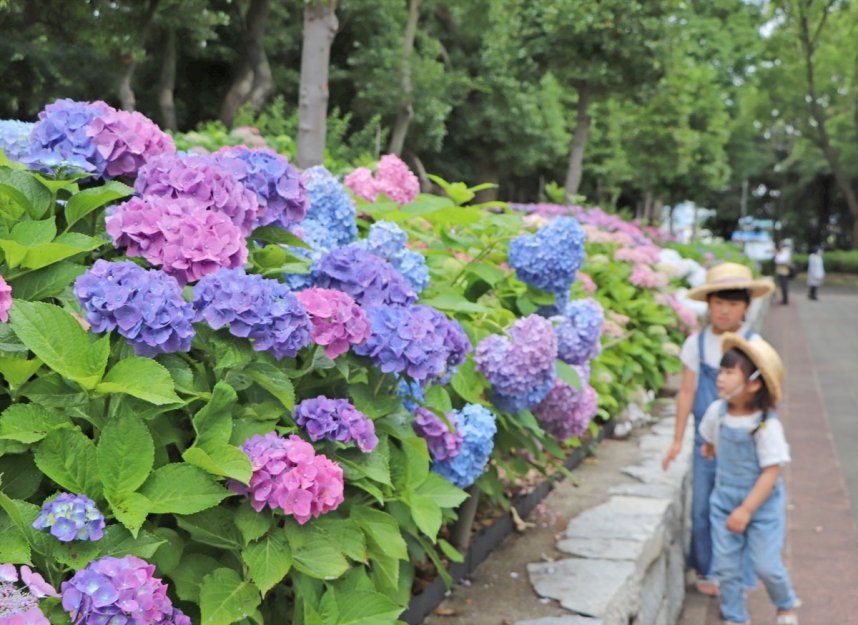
(709, 423)
(772, 447)
(690, 353)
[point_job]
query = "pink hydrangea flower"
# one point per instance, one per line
(645, 277)
(395, 180)
(5, 300)
(127, 140)
(646, 254)
(586, 282)
(612, 329)
(338, 322)
(362, 184)
(19, 602)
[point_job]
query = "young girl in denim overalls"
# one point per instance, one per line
(747, 506)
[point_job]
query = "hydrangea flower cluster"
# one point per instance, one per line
(478, 426)
(387, 240)
(15, 138)
(277, 184)
(687, 316)
(412, 340)
(331, 208)
(202, 179)
(642, 254)
(520, 368)
(579, 331)
(566, 412)
(443, 443)
(144, 306)
(410, 391)
(362, 184)
(646, 277)
(20, 605)
(336, 420)
(392, 177)
(287, 474)
(254, 307)
(5, 300)
(126, 141)
(180, 235)
(71, 517)
(370, 280)
(119, 591)
(338, 322)
(549, 259)
(586, 282)
(60, 138)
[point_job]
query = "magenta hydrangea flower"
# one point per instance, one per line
(338, 322)
(566, 412)
(336, 420)
(19, 601)
(290, 476)
(126, 141)
(5, 300)
(395, 180)
(443, 442)
(362, 184)
(203, 179)
(119, 591)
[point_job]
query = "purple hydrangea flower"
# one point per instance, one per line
(60, 138)
(478, 426)
(387, 241)
(15, 138)
(277, 184)
(522, 401)
(331, 208)
(566, 412)
(253, 307)
(549, 259)
(71, 517)
(19, 602)
(144, 306)
(338, 322)
(579, 331)
(126, 140)
(370, 280)
(201, 178)
(443, 443)
(119, 591)
(336, 420)
(289, 475)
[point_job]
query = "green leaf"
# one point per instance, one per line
(274, 381)
(320, 560)
(18, 370)
(189, 573)
(426, 514)
(126, 454)
(360, 607)
(489, 273)
(268, 560)
(455, 303)
(19, 477)
(438, 400)
(213, 422)
(68, 457)
(57, 338)
(213, 527)
(182, 488)
(46, 282)
(224, 460)
(143, 378)
(273, 234)
(382, 529)
(131, 510)
(29, 233)
(118, 542)
(441, 491)
(30, 423)
(64, 246)
(14, 547)
(84, 202)
(250, 523)
(375, 466)
(76, 554)
(345, 534)
(225, 598)
(169, 554)
(468, 382)
(568, 375)
(26, 191)
(450, 551)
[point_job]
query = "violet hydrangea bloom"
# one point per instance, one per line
(144, 306)
(181, 236)
(277, 184)
(579, 331)
(5, 300)
(370, 280)
(396, 180)
(387, 240)
(60, 138)
(478, 426)
(331, 207)
(443, 443)
(336, 420)
(566, 412)
(119, 591)
(200, 177)
(338, 322)
(125, 140)
(253, 307)
(19, 601)
(71, 517)
(15, 138)
(549, 259)
(289, 475)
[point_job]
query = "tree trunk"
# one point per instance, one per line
(579, 142)
(816, 113)
(167, 82)
(406, 110)
(125, 88)
(254, 82)
(487, 172)
(422, 175)
(320, 27)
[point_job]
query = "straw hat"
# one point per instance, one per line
(764, 357)
(727, 276)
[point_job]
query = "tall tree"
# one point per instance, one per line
(406, 109)
(135, 49)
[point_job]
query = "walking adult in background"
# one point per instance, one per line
(783, 264)
(815, 272)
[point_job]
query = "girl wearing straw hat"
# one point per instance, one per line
(748, 503)
(728, 290)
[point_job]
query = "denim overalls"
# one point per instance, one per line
(738, 471)
(703, 474)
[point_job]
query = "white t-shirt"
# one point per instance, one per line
(690, 353)
(772, 447)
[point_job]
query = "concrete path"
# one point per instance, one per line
(819, 344)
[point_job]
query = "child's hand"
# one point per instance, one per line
(707, 450)
(738, 520)
(671, 455)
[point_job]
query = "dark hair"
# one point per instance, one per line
(762, 399)
(734, 295)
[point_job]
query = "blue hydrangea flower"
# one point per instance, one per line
(524, 400)
(254, 307)
(60, 139)
(387, 240)
(71, 517)
(331, 207)
(144, 306)
(549, 259)
(370, 280)
(336, 420)
(15, 138)
(579, 331)
(478, 426)
(410, 391)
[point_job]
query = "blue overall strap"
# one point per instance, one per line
(701, 347)
(749, 334)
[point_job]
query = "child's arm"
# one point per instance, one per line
(684, 402)
(741, 516)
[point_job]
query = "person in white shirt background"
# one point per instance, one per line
(815, 272)
(783, 264)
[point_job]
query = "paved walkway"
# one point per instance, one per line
(819, 344)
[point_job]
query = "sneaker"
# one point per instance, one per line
(708, 587)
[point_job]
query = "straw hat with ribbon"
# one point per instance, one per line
(728, 276)
(764, 357)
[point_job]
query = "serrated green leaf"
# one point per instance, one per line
(169, 553)
(19, 477)
(382, 529)
(131, 510)
(273, 234)
(426, 514)
(250, 523)
(273, 380)
(189, 573)
(143, 378)
(213, 527)
(320, 560)
(25, 190)
(268, 560)
(223, 460)
(568, 375)
(226, 598)
(14, 547)
(450, 551)
(126, 454)
(81, 204)
(18, 370)
(30, 423)
(182, 488)
(213, 422)
(118, 542)
(68, 457)
(64, 246)
(441, 491)
(360, 607)
(46, 282)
